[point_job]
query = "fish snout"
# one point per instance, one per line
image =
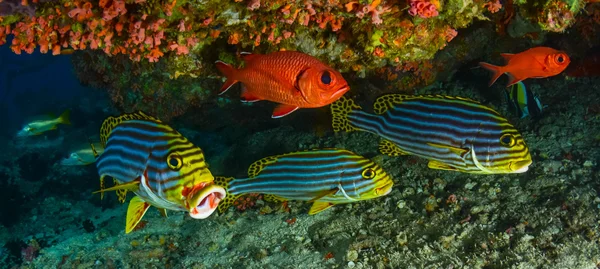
(384, 190)
(336, 94)
(205, 201)
(520, 166)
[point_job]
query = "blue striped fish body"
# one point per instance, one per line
(325, 177)
(453, 133)
(158, 164)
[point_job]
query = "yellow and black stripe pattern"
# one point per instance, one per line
(138, 146)
(454, 133)
(330, 176)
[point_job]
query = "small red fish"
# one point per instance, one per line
(538, 62)
(293, 79)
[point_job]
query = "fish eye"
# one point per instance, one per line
(507, 140)
(368, 173)
(326, 77)
(174, 161)
(560, 58)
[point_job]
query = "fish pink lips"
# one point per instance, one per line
(207, 200)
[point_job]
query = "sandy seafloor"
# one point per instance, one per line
(547, 217)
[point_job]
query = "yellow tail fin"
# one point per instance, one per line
(229, 198)
(340, 110)
(64, 117)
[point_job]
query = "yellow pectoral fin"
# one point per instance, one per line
(129, 186)
(458, 151)
(318, 207)
(440, 166)
(121, 189)
(388, 148)
(323, 194)
(136, 210)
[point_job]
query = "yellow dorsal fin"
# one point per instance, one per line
(109, 123)
(259, 165)
(339, 111)
(440, 166)
(319, 207)
(273, 198)
(163, 212)
(135, 211)
(229, 198)
(385, 102)
(458, 151)
(388, 148)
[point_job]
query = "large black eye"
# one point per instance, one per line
(368, 173)
(174, 161)
(507, 140)
(560, 59)
(326, 78)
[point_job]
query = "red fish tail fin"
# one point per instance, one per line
(496, 71)
(229, 72)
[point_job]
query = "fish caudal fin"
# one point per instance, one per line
(340, 110)
(497, 71)
(64, 117)
(283, 110)
(135, 211)
(229, 199)
(229, 72)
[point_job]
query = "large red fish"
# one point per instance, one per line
(538, 62)
(293, 79)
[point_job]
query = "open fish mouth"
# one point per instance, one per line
(206, 201)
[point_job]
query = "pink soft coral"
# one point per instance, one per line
(422, 8)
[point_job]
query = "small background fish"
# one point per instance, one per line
(538, 62)
(43, 124)
(523, 102)
(83, 155)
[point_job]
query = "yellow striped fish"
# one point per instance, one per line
(44, 123)
(325, 177)
(158, 164)
(453, 133)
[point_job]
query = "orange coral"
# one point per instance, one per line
(493, 6)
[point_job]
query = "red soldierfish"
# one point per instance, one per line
(293, 79)
(538, 62)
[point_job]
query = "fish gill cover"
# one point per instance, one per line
(158, 56)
